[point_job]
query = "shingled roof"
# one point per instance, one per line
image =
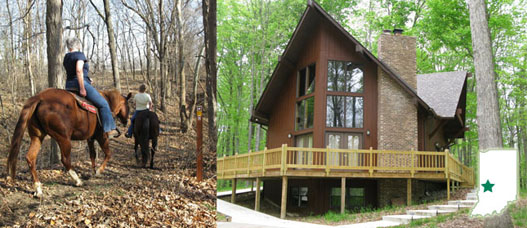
(442, 91)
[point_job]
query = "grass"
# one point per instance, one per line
(220, 217)
(239, 185)
(332, 217)
(519, 215)
(337, 217)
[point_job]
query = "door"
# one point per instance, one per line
(344, 140)
(303, 157)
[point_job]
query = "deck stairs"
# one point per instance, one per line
(433, 210)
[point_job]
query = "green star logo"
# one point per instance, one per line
(487, 186)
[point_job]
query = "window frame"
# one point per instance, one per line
(305, 96)
(344, 94)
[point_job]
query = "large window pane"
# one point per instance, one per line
(335, 197)
(311, 79)
(305, 112)
(300, 115)
(302, 82)
(306, 80)
(345, 111)
(345, 77)
(310, 107)
(335, 111)
(354, 112)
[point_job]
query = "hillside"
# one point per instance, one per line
(125, 195)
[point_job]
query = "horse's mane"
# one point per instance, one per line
(112, 96)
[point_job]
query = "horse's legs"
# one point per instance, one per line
(104, 142)
(65, 149)
(31, 159)
(93, 153)
(136, 147)
(153, 149)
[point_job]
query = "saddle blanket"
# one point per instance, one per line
(84, 103)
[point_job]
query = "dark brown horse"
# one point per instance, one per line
(54, 112)
(146, 128)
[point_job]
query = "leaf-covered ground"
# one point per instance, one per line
(124, 196)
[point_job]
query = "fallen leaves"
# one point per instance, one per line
(124, 196)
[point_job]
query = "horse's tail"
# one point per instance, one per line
(25, 115)
(145, 136)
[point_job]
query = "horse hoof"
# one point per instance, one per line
(78, 184)
(38, 188)
(38, 195)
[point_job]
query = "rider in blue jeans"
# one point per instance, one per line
(143, 102)
(77, 69)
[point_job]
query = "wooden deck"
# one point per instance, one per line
(299, 162)
(325, 162)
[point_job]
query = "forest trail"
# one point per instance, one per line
(124, 195)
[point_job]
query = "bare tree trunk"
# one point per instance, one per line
(195, 87)
(11, 53)
(251, 90)
(107, 18)
(209, 23)
(54, 55)
(27, 44)
(180, 63)
(488, 116)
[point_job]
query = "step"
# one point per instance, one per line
(447, 207)
(472, 195)
(427, 212)
(379, 223)
(462, 202)
(472, 198)
(404, 219)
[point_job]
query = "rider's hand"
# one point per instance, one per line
(83, 92)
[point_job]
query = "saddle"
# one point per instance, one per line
(82, 102)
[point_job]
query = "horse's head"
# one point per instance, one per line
(119, 104)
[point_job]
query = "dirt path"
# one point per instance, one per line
(124, 196)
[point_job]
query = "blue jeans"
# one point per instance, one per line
(108, 123)
(131, 128)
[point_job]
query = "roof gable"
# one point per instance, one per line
(442, 91)
(313, 16)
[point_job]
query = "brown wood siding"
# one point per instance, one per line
(282, 118)
(326, 44)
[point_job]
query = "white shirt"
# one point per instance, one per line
(142, 101)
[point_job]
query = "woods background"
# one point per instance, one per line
(253, 33)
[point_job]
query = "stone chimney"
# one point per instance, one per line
(399, 53)
(397, 112)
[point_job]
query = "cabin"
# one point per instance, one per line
(347, 129)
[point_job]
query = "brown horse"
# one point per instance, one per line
(55, 112)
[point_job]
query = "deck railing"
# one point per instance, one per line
(329, 161)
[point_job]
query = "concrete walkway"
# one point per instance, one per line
(242, 217)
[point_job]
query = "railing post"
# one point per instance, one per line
(284, 159)
(371, 161)
(263, 163)
(446, 163)
(249, 163)
(412, 169)
(223, 170)
(327, 161)
(235, 164)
